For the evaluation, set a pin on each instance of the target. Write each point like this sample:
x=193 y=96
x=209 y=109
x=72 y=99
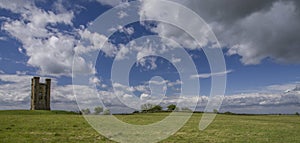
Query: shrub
x=106 y=112
x=228 y=113
x=136 y=112
x=186 y=109
x=156 y=108
x=98 y=109
x=216 y=111
x=86 y=111
x=171 y=107
x=147 y=107
x=151 y=108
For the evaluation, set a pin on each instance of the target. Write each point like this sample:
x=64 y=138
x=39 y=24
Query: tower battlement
x=40 y=94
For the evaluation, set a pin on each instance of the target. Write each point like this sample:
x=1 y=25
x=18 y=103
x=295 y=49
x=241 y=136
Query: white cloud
x=157 y=82
x=21 y=72
x=91 y=43
x=49 y=49
x=31 y=30
x=94 y=41
x=127 y=96
x=123 y=88
x=154 y=9
x=123 y=51
x=251 y=99
x=142 y=88
x=15 y=94
x=148 y=62
x=208 y=75
x=126 y=30
x=145 y=96
x=281 y=87
x=94 y=80
x=163 y=82
x=175 y=60
x=21 y=50
x=17 y=6
x=122 y=14
x=8 y=92
x=3 y=38
x=129 y=30
x=177 y=82
x=112 y=2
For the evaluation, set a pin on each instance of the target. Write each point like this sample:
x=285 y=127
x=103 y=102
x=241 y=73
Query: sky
x=122 y=67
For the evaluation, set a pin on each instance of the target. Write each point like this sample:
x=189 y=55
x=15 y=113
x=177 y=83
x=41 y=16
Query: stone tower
x=40 y=94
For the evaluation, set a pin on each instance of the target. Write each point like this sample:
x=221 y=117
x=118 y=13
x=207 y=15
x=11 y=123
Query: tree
x=151 y=108
x=136 y=112
x=216 y=111
x=86 y=111
x=171 y=107
x=228 y=113
x=106 y=112
x=186 y=109
x=146 y=107
x=297 y=114
x=98 y=109
x=156 y=108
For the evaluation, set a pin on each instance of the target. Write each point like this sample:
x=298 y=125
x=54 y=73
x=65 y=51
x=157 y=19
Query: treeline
x=97 y=111
x=151 y=108
x=145 y=108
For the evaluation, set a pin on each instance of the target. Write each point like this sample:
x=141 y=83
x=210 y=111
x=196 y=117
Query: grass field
x=60 y=126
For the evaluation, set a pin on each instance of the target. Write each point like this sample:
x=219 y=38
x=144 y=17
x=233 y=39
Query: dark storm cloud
x=228 y=11
x=253 y=29
x=256 y=29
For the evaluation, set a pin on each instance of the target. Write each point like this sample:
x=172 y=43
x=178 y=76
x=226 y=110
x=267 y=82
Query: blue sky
x=40 y=38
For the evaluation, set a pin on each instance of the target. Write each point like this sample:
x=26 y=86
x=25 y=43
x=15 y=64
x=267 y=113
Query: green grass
x=36 y=112
x=60 y=126
x=45 y=126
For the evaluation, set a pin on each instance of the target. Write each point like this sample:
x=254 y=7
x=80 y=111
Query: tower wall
x=34 y=90
x=48 y=91
x=40 y=94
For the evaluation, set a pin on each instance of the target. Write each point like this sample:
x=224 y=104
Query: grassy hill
x=60 y=126
x=36 y=112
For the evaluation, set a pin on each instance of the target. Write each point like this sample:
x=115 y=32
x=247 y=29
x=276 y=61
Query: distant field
x=60 y=126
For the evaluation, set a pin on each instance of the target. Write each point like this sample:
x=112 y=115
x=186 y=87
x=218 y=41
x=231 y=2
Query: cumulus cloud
x=9 y=84
x=63 y=98
x=154 y=9
x=92 y=41
x=127 y=30
x=31 y=31
x=95 y=80
x=48 y=48
x=122 y=14
x=145 y=96
x=255 y=29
